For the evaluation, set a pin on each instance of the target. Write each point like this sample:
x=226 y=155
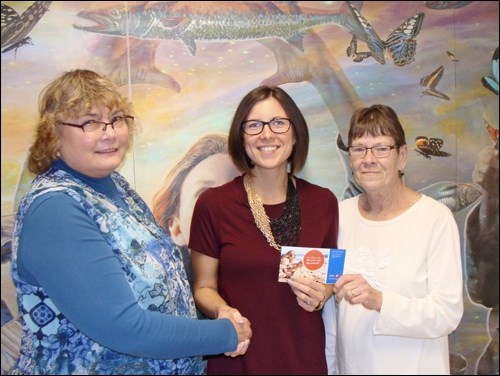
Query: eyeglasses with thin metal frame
x=277 y=125
x=379 y=151
x=90 y=126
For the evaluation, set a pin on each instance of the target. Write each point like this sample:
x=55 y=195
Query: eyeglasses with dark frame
x=277 y=125
x=90 y=126
x=379 y=151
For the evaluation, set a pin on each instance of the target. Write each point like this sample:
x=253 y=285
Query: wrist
x=217 y=309
x=320 y=305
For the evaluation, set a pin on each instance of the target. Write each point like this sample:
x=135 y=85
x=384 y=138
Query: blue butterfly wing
x=491 y=82
x=401 y=44
x=373 y=41
x=376 y=45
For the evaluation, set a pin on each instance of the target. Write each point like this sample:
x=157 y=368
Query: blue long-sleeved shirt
x=85 y=280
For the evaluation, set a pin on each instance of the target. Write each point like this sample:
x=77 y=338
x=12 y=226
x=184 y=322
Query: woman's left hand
x=356 y=290
x=241 y=349
x=310 y=294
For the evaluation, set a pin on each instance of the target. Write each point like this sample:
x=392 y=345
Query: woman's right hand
x=241 y=325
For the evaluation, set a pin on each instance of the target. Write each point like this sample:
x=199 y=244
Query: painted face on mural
x=211 y=172
x=95 y=153
x=269 y=150
x=374 y=173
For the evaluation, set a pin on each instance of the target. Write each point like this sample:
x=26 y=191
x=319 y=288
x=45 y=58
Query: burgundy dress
x=286 y=338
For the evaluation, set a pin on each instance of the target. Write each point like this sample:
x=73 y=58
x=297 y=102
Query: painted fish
x=209 y=21
x=15 y=27
x=440 y=5
x=456 y=196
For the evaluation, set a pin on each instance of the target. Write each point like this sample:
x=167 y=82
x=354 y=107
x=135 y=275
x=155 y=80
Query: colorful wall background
x=187 y=65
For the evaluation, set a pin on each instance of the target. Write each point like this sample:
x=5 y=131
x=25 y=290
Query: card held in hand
x=324 y=265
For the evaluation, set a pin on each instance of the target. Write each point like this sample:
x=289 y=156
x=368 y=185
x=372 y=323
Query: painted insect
x=492 y=131
x=400 y=46
x=430 y=82
x=452 y=57
x=15 y=27
x=430 y=147
x=491 y=82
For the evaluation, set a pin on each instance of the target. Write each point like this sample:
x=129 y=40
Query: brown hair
x=71 y=95
x=167 y=201
x=236 y=136
x=377 y=120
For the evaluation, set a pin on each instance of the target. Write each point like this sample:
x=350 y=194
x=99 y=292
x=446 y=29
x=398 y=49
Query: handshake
x=241 y=325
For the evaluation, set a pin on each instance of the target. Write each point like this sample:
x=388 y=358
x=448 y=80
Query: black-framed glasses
x=90 y=126
x=379 y=151
x=277 y=125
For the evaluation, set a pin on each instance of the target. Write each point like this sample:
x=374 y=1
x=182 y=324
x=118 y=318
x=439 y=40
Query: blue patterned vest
x=153 y=268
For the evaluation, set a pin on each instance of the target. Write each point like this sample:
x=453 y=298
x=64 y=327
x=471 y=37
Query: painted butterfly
x=430 y=81
x=492 y=131
x=15 y=27
x=430 y=147
x=491 y=82
x=452 y=56
x=400 y=46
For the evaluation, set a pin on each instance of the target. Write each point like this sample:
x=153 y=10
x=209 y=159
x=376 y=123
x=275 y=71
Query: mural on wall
x=186 y=66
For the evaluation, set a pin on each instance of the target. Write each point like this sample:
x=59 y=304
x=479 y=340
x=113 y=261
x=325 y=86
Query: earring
x=58 y=154
x=401 y=173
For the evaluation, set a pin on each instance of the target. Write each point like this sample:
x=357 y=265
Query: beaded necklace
x=284 y=230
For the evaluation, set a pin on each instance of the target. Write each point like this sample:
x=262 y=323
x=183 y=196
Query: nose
x=105 y=134
x=369 y=155
x=266 y=131
x=106 y=126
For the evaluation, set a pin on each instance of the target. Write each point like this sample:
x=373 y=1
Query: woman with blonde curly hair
x=101 y=289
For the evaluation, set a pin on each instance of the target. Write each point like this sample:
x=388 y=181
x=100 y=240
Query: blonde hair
x=73 y=94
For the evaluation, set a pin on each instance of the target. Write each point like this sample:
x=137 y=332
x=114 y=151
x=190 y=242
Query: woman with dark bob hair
x=239 y=228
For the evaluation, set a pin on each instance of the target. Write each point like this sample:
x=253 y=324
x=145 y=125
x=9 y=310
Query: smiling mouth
x=267 y=148
x=107 y=151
